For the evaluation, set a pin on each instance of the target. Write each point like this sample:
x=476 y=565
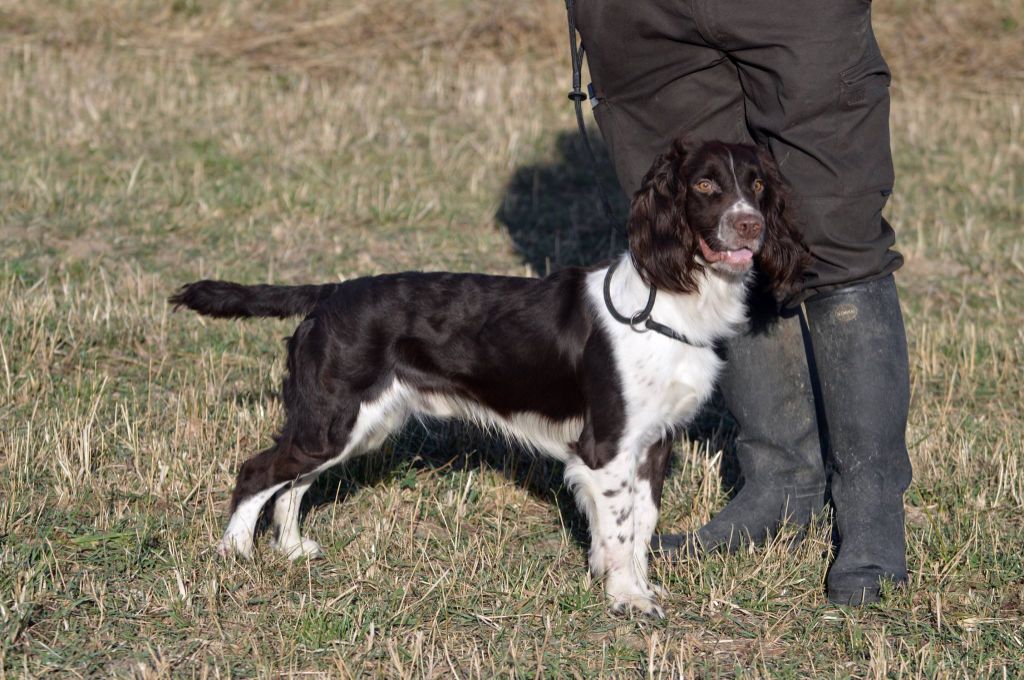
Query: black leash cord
x=578 y=96
x=641 y=322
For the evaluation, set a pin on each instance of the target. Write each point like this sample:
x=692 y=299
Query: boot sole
x=855 y=598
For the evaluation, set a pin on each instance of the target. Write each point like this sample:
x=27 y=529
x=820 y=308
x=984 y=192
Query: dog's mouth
x=740 y=259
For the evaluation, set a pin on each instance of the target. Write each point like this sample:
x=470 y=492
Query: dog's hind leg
x=327 y=423
x=375 y=421
x=289 y=541
x=261 y=477
x=238 y=537
x=258 y=480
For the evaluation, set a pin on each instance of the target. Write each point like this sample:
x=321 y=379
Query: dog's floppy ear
x=661 y=243
x=784 y=256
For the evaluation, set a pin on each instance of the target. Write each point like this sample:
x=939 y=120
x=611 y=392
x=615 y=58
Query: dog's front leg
x=605 y=475
x=619 y=508
x=651 y=474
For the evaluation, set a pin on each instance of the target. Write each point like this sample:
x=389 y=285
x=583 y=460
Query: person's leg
x=861 y=352
x=816 y=88
x=766 y=385
x=656 y=77
x=816 y=92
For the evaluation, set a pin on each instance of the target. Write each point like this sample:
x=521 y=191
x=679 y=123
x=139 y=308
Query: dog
x=595 y=367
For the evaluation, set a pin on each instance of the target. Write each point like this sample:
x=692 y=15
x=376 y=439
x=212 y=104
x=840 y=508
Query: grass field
x=146 y=143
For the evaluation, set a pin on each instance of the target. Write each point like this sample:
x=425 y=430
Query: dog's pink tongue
x=741 y=256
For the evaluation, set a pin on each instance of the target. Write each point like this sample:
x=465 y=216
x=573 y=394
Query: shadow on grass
x=553 y=210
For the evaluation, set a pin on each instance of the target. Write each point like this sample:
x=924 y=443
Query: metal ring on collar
x=642 y=315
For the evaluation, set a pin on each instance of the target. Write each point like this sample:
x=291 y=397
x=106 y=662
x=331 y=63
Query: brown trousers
x=803 y=77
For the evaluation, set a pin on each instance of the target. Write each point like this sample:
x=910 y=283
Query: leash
x=644 y=315
x=577 y=96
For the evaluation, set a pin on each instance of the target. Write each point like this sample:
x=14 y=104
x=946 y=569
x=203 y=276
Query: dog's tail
x=227 y=300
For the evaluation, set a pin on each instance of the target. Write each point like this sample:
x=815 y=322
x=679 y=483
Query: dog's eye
x=705 y=186
x=758 y=186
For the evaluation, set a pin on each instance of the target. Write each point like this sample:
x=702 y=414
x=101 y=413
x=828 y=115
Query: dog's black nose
x=748 y=226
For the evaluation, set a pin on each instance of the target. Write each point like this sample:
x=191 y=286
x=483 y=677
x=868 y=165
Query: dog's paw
x=306 y=547
x=646 y=605
x=232 y=544
x=660 y=592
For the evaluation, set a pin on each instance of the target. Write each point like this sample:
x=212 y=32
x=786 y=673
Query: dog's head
x=718 y=206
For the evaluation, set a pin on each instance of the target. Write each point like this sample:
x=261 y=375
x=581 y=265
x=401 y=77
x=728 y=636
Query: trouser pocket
x=862 y=130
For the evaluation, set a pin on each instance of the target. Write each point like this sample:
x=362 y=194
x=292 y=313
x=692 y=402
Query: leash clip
x=639 y=318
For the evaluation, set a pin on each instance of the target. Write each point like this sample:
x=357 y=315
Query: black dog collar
x=644 y=315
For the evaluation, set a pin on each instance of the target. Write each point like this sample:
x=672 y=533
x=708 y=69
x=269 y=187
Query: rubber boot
x=767 y=388
x=860 y=351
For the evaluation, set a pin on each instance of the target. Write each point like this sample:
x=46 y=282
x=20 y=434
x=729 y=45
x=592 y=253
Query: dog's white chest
x=667 y=381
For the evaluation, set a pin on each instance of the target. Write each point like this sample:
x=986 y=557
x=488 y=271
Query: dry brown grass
x=307 y=36
x=976 y=43
x=147 y=143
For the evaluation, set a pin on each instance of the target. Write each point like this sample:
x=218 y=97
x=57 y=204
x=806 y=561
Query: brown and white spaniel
x=597 y=368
